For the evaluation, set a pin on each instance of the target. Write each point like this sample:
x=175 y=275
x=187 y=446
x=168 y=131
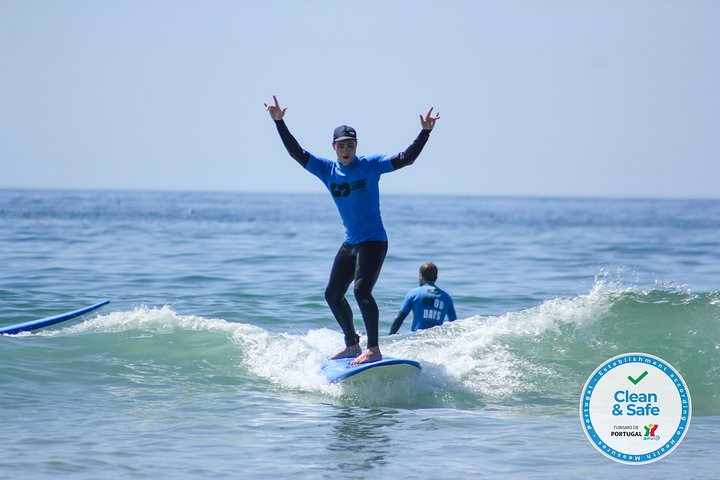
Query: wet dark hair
x=429 y=271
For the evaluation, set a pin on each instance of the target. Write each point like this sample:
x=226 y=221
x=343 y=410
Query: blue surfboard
x=47 y=321
x=340 y=370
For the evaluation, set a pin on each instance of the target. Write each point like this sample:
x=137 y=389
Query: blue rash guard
x=356 y=194
x=429 y=304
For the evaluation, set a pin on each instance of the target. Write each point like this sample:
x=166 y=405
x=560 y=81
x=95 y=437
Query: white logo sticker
x=635 y=408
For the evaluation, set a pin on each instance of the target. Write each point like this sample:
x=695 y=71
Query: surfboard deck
x=47 y=321
x=340 y=370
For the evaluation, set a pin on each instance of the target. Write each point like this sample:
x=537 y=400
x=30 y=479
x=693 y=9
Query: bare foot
x=347 y=352
x=368 y=356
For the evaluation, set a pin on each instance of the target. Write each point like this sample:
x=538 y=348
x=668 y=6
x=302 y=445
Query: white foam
x=480 y=354
x=290 y=361
x=148 y=319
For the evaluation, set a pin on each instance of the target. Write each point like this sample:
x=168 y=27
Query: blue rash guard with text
x=430 y=305
x=356 y=193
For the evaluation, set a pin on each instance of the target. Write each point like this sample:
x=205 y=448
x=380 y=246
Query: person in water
x=353 y=182
x=430 y=305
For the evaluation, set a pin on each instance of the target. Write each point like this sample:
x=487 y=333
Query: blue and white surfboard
x=340 y=370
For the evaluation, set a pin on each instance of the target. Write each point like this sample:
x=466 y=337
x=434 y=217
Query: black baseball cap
x=343 y=132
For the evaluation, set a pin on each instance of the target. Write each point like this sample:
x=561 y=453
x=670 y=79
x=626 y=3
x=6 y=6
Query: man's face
x=345 y=151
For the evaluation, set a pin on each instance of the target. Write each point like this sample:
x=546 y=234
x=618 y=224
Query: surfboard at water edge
x=339 y=370
x=47 y=321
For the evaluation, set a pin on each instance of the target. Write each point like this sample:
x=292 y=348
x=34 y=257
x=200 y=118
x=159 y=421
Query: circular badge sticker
x=635 y=408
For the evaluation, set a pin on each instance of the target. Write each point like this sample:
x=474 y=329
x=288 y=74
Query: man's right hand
x=276 y=113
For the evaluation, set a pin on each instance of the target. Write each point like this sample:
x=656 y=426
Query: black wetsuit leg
x=341 y=275
x=362 y=263
x=371 y=256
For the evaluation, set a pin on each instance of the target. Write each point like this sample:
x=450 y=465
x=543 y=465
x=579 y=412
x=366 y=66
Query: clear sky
x=537 y=97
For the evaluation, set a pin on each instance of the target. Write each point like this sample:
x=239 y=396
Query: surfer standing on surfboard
x=353 y=182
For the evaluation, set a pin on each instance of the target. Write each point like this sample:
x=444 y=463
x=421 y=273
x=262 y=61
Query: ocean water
x=206 y=363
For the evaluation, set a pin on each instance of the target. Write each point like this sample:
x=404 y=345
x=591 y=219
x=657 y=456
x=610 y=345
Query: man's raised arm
x=291 y=144
x=407 y=157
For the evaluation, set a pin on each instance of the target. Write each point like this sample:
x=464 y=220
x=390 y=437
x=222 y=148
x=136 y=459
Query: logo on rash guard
x=344 y=189
x=340 y=190
x=359 y=186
